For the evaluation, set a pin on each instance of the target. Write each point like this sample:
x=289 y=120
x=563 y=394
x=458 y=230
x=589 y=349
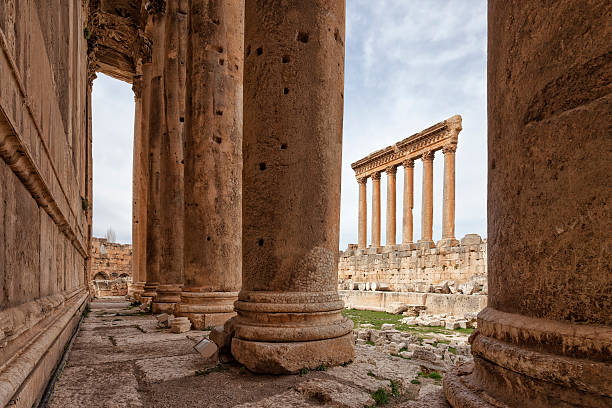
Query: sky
x=409 y=65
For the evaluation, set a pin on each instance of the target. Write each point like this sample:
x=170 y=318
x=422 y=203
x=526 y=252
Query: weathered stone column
x=391 y=205
x=376 y=209
x=545 y=339
x=363 y=213
x=427 y=192
x=213 y=162
x=171 y=167
x=407 y=229
x=448 y=203
x=139 y=199
x=289 y=312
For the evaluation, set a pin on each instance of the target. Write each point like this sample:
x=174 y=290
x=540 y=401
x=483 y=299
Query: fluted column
x=391 y=205
x=545 y=338
x=363 y=213
x=427 y=192
x=448 y=204
x=376 y=210
x=139 y=199
x=407 y=230
x=289 y=311
x=213 y=162
x=171 y=167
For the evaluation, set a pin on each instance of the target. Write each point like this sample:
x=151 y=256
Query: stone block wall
x=111 y=268
x=408 y=268
x=45 y=190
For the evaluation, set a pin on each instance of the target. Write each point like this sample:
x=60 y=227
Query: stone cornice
x=433 y=138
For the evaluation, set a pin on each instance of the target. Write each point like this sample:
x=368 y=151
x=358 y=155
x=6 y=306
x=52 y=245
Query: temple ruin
x=236 y=189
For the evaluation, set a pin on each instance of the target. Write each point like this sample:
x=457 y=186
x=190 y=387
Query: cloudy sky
x=409 y=64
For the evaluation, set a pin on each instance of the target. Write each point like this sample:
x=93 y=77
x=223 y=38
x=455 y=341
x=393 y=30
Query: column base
x=421 y=244
x=521 y=361
x=290 y=358
x=447 y=242
x=167 y=297
x=149 y=293
x=206 y=309
x=137 y=290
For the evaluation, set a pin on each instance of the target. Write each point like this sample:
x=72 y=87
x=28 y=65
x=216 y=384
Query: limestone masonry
x=111 y=268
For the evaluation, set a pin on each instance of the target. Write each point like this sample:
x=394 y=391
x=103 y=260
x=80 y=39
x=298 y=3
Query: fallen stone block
x=180 y=325
x=387 y=326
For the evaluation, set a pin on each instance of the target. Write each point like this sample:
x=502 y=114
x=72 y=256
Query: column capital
x=450 y=148
x=362 y=179
x=391 y=170
x=376 y=175
x=154 y=7
x=428 y=156
x=408 y=163
x=137 y=83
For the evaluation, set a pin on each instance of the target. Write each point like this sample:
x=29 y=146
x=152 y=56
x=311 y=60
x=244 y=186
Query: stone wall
x=408 y=268
x=45 y=190
x=111 y=268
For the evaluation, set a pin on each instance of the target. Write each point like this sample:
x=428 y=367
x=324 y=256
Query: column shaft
x=171 y=167
x=448 y=210
x=213 y=162
x=289 y=311
x=363 y=214
x=376 y=210
x=407 y=230
x=391 y=205
x=427 y=192
x=138 y=194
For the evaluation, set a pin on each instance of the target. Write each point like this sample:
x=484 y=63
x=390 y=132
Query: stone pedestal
x=289 y=311
x=545 y=339
x=213 y=163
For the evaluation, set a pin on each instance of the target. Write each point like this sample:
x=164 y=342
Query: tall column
x=407 y=230
x=427 y=192
x=171 y=167
x=289 y=311
x=213 y=162
x=138 y=194
x=545 y=338
x=391 y=205
x=363 y=213
x=448 y=205
x=376 y=210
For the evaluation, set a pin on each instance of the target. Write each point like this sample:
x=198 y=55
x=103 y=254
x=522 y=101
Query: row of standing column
x=272 y=265
x=448 y=210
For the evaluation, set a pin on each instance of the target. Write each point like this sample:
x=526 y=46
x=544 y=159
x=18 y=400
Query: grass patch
x=377 y=319
x=135 y=303
x=346 y=363
x=304 y=371
x=208 y=370
x=370 y=373
x=381 y=396
x=370 y=343
x=452 y=350
x=403 y=349
x=415 y=381
x=433 y=374
x=140 y=328
x=322 y=367
x=395 y=388
x=86 y=311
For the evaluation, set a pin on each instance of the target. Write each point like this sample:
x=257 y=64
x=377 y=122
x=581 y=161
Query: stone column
x=363 y=213
x=213 y=162
x=427 y=192
x=391 y=206
x=407 y=230
x=376 y=210
x=171 y=167
x=138 y=195
x=448 y=204
x=545 y=338
x=289 y=311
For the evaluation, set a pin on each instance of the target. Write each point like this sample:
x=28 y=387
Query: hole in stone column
x=302 y=37
x=259 y=51
x=221 y=61
x=208 y=238
x=248 y=50
x=217 y=139
x=216 y=21
x=337 y=37
x=286 y=59
x=181 y=119
x=262 y=166
x=492 y=164
x=260 y=242
x=342 y=95
x=286 y=91
x=219 y=49
x=219 y=112
x=284 y=146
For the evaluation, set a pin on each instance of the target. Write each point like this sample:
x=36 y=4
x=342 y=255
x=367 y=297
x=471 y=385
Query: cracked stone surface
x=120 y=358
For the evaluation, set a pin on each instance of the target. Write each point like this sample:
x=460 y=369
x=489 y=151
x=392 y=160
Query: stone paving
x=121 y=358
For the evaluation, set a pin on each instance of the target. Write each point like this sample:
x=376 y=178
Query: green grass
x=322 y=367
x=206 y=371
x=381 y=396
x=452 y=350
x=140 y=328
x=433 y=374
x=86 y=311
x=370 y=343
x=415 y=381
x=346 y=363
x=395 y=389
x=377 y=319
x=304 y=371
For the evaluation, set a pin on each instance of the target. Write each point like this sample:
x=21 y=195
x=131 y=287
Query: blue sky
x=409 y=64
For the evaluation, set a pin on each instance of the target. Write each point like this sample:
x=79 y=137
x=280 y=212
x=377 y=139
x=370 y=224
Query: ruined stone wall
x=110 y=260
x=407 y=268
x=44 y=190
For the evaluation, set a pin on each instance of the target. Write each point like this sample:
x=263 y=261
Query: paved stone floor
x=120 y=358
